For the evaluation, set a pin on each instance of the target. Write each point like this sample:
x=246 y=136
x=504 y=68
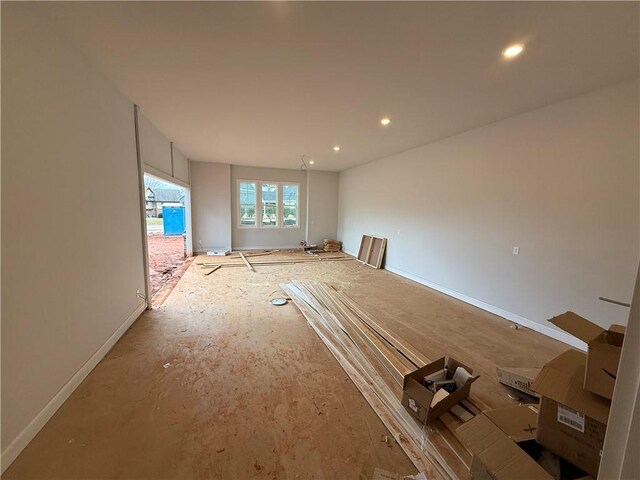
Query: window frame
x=278 y=193
x=239 y=209
x=290 y=184
x=258 y=205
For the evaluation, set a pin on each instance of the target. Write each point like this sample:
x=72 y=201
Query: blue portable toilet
x=173 y=219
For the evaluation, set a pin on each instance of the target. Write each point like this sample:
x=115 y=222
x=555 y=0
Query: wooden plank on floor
x=246 y=262
x=213 y=269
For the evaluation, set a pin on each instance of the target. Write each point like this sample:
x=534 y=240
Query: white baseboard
x=22 y=440
x=525 y=322
x=262 y=247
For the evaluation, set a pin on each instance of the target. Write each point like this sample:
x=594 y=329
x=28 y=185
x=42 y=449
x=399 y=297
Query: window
x=290 y=205
x=268 y=204
x=247 y=203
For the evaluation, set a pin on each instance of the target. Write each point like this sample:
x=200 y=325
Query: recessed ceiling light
x=512 y=51
x=311 y=162
x=336 y=148
x=385 y=121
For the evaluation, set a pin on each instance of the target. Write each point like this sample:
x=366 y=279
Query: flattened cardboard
x=417 y=398
x=572 y=421
x=604 y=351
x=518 y=378
x=496 y=455
x=577 y=326
x=518 y=422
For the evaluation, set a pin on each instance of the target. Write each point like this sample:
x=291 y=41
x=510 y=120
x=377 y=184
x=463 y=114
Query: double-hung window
x=290 y=205
x=265 y=204
x=269 y=199
x=247 y=194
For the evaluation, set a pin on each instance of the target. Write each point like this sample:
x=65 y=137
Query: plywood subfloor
x=217 y=383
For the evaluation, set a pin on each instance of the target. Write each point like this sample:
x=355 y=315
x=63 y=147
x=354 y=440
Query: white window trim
x=258 y=206
x=239 y=209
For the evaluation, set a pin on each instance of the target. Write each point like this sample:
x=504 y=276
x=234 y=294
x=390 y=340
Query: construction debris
x=372 y=250
x=332 y=245
x=378 y=364
x=246 y=262
x=283 y=261
x=216 y=267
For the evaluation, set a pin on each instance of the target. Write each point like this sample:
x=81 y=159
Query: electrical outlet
x=516 y=250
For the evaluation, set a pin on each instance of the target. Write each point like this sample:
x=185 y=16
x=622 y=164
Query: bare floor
x=218 y=383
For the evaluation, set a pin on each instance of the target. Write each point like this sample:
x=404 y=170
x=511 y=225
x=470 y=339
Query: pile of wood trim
x=377 y=360
x=331 y=246
x=248 y=263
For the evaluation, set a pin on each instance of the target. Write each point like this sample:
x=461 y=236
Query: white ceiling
x=263 y=83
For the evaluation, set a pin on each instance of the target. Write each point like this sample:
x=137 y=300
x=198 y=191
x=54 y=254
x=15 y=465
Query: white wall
x=323 y=206
x=155 y=148
x=560 y=182
x=71 y=236
x=159 y=155
x=211 y=205
x=248 y=238
x=180 y=165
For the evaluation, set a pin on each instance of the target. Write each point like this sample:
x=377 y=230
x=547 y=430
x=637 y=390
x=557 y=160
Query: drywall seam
x=22 y=440
x=538 y=327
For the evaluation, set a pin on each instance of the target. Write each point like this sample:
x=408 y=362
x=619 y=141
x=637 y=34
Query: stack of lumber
x=248 y=262
x=376 y=360
x=332 y=245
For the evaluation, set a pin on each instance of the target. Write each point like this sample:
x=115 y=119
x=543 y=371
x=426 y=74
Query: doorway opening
x=166 y=211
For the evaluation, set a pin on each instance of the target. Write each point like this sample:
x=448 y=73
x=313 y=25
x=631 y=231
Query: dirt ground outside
x=166 y=255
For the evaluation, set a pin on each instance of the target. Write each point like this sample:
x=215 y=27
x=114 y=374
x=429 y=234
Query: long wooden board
x=246 y=262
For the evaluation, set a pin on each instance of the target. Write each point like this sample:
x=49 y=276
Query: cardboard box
x=572 y=421
x=493 y=437
x=604 y=350
x=417 y=398
x=518 y=378
x=503 y=445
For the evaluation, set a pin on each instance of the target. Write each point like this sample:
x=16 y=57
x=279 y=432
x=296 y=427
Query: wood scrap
x=330 y=245
x=213 y=269
x=246 y=262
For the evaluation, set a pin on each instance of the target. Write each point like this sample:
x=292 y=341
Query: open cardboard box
x=572 y=421
x=503 y=445
x=492 y=437
x=603 y=354
x=417 y=398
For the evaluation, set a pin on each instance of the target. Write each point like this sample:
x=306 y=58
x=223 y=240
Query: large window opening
x=265 y=204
